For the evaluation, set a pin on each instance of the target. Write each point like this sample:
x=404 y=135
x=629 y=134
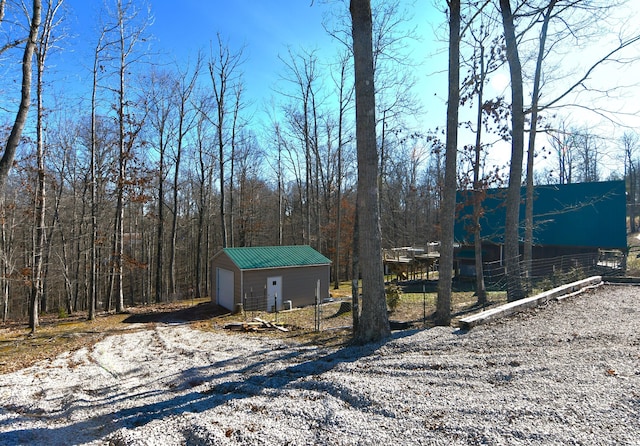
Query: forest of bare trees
x=123 y=199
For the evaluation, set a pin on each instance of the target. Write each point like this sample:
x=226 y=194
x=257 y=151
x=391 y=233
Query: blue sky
x=265 y=29
x=264 y=26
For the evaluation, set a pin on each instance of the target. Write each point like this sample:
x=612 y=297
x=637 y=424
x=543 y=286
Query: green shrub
x=393 y=294
x=561 y=278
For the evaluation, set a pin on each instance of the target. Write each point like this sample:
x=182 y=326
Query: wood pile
x=253 y=326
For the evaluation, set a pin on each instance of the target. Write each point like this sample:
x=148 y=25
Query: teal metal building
x=568 y=219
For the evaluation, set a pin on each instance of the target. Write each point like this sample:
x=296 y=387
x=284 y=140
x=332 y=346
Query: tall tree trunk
x=223 y=70
x=53 y=225
x=220 y=103
x=160 y=228
x=174 y=223
x=184 y=127
x=44 y=248
x=478 y=190
x=338 y=197
x=127 y=37
x=4 y=261
x=512 y=223
x=39 y=219
x=40 y=240
x=343 y=101
x=280 y=189
x=535 y=98
x=232 y=169
x=316 y=175
x=202 y=207
x=448 y=209
x=374 y=322
x=81 y=252
x=68 y=287
x=210 y=231
x=93 y=258
x=25 y=99
x=117 y=289
x=355 y=281
x=308 y=177
x=199 y=244
x=49 y=241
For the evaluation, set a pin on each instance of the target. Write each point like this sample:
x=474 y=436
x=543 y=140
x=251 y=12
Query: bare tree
x=447 y=211
x=43 y=46
x=161 y=104
x=252 y=210
x=186 y=120
x=561 y=143
x=395 y=81
x=277 y=142
x=587 y=149
x=630 y=143
x=512 y=223
x=97 y=67
x=129 y=32
x=373 y=322
x=9 y=251
x=224 y=69
x=205 y=161
x=486 y=59
x=345 y=96
x=535 y=98
x=11 y=43
x=71 y=175
x=303 y=120
x=25 y=98
x=396 y=101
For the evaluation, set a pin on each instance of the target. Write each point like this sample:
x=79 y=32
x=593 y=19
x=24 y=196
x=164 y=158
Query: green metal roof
x=579 y=215
x=260 y=257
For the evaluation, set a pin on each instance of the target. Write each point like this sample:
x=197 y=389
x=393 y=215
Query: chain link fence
x=411 y=303
x=544 y=274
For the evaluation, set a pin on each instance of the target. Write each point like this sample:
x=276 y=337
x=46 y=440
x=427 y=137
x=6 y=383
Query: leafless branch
x=580 y=82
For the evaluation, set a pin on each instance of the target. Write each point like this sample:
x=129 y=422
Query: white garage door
x=224 y=291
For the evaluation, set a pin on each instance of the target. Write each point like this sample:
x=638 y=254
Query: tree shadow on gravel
x=304 y=375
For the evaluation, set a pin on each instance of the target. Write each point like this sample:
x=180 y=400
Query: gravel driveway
x=567 y=373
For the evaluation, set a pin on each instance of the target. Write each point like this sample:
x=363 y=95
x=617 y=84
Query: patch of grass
x=300 y=323
x=633 y=259
x=343 y=291
x=19 y=348
x=415 y=308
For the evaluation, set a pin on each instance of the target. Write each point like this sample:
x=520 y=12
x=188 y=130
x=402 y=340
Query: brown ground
x=19 y=348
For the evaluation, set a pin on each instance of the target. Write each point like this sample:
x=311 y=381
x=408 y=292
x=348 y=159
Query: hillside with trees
x=121 y=198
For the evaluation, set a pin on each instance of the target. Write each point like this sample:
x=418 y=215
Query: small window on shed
x=274 y=283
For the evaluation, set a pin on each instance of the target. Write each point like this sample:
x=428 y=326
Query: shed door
x=274 y=293
x=224 y=282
